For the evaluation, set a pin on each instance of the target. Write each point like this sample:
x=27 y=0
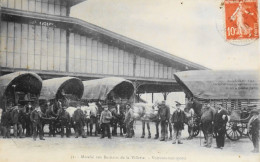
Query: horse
x=91 y=117
x=118 y=116
x=145 y=113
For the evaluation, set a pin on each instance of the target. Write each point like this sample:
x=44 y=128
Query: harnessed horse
x=118 y=113
x=91 y=117
x=145 y=113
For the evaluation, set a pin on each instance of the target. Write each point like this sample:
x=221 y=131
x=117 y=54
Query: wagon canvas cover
x=25 y=81
x=71 y=85
x=207 y=84
x=98 y=89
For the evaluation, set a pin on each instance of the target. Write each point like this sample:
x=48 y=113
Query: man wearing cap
x=78 y=118
x=254 y=121
x=207 y=120
x=129 y=121
x=105 y=118
x=64 y=119
x=17 y=119
x=164 y=115
x=35 y=117
x=178 y=119
x=220 y=122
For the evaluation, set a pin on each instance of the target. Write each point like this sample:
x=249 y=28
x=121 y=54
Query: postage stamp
x=241 y=20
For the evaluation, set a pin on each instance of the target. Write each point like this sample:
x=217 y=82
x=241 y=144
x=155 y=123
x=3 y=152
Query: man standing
x=129 y=121
x=105 y=118
x=16 y=116
x=207 y=120
x=64 y=119
x=78 y=118
x=51 y=116
x=35 y=117
x=164 y=115
x=28 y=123
x=255 y=130
x=220 y=121
x=178 y=118
x=6 y=121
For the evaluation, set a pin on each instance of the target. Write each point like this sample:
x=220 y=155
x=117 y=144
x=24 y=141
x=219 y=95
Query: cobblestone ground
x=122 y=149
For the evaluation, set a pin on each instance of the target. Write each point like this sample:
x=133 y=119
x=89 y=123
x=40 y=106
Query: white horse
x=91 y=117
x=145 y=112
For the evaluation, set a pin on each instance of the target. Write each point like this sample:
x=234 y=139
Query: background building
x=39 y=35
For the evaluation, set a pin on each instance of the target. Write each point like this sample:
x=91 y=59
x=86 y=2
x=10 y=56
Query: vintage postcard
x=129 y=80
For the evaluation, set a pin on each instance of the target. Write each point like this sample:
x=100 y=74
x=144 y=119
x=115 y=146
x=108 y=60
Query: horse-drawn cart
x=65 y=90
x=115 y=92
x=237 y=91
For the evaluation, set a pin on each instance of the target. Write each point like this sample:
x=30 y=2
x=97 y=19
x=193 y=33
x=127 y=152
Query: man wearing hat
x=254 y=121
x=178 y=119
x=35 y=117
x=207 y=120
x=105 y=118
x=220 y=122
x=164 y=115
x=129 y=121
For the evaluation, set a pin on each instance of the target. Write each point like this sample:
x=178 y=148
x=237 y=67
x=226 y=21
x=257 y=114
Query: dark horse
x=197 y=107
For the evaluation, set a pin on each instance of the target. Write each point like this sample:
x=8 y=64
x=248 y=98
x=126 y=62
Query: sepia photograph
x=129 y=80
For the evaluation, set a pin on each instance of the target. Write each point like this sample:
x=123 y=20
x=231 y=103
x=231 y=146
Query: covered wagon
x=235 y=90
x=19 y=87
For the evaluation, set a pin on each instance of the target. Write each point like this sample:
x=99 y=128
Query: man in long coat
x=207 y=120
x=220 y=122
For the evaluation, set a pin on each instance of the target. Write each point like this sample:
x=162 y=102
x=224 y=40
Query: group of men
x=212 y=120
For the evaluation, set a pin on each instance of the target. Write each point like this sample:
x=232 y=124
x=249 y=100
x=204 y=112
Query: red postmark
x=241 y=19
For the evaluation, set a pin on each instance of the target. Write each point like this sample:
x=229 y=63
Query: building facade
x=39 y=35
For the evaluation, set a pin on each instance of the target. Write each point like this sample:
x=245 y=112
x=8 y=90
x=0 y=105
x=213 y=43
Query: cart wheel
x=249 y=128
x=233 y=131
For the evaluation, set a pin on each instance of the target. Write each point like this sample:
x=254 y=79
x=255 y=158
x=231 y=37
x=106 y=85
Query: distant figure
x=178 y=119
x=239 y=16
x=255 y=130
x=129 y=121
x=105 y=118
x=220 y=122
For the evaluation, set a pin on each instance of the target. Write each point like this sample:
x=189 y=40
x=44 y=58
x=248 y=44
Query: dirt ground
x=123 y=149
